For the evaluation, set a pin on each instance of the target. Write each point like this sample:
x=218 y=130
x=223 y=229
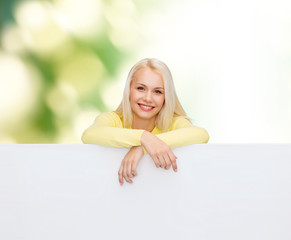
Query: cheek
x=134 y=96
x=161 y=101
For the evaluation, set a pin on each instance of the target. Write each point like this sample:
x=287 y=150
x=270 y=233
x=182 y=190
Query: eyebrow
x=146 y=86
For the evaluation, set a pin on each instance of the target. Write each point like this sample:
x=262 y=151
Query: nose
x=148 y=96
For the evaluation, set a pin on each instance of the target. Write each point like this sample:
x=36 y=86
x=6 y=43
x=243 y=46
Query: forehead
x=148 y=77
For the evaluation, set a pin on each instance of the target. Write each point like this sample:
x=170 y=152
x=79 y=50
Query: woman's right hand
x=129 y=164
x=159 y=151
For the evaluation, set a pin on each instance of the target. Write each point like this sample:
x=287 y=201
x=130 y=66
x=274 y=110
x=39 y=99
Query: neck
x=147 y=125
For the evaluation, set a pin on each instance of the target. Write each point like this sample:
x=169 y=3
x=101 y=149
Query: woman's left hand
x=159 y=151
x=129 y=163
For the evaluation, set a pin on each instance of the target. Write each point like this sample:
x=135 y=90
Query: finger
x=173 y=161
x=133 y=168
x=120 y=177
x=128 y=170
x=124 y=173
x=168 y=161
x=156 y=161
x=161 y=161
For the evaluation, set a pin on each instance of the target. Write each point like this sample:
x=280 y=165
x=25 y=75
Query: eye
x=158 y=92
x=140 y=88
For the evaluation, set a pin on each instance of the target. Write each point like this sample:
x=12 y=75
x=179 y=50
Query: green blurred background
x=62 y=62
x=58 y=58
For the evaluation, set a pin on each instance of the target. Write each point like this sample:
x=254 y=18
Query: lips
x=145 y=107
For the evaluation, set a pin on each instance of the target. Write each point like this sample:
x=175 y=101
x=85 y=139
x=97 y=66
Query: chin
x=145 y=115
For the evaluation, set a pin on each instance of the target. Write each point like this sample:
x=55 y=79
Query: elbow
x=84 y=137
x=202 y=135
x=205 y=136
x=91 y=137
x=198 y=135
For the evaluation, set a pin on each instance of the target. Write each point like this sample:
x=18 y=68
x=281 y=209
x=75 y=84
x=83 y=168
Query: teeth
x=146 y=107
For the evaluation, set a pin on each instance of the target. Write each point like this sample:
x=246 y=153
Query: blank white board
x=221 y=191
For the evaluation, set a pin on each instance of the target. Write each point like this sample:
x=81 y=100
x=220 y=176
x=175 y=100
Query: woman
x=149 y=119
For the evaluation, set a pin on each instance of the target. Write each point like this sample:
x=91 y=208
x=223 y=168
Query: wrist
x=143 y=137
x=139 y=147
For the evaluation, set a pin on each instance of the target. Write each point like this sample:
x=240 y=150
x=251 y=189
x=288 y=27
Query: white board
x=221 y=191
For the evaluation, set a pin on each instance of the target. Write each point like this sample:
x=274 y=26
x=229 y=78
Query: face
x=147 y=94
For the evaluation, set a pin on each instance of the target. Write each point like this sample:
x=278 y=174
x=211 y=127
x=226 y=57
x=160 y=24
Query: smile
x=145 y=107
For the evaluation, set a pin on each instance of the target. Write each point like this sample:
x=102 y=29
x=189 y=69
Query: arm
x=107 y=130
x=183 y=133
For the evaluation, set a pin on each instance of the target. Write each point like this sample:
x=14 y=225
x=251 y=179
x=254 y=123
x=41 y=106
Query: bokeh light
x=20 y=87
x=40 y=30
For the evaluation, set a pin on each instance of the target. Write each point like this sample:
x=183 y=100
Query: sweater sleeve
x=183 y=132
x=107 y=130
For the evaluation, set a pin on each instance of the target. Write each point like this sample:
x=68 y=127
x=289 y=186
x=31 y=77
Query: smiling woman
x=146 y=98
x=149 y=119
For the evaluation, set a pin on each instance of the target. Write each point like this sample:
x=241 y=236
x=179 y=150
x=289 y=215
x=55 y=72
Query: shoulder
x=108 y=118
x=180 y=122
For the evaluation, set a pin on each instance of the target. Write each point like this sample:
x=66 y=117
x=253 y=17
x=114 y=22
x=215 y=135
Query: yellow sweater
x=108 y=130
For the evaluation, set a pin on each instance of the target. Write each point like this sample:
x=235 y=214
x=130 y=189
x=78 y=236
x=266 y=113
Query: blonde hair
x=171 y=109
